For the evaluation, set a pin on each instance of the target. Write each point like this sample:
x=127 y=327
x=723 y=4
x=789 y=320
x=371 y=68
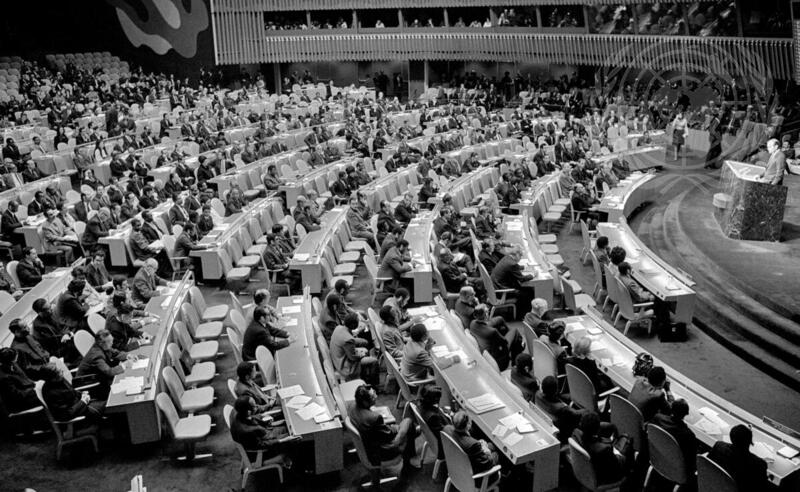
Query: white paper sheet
x=291 y=309
x=512 y=439
x=298 y=401
x=285 y=393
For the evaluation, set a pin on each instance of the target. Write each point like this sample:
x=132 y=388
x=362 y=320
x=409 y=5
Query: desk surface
x=616 y=198
x=473 y=377
x=534 y=261
x=299 y=364
x=710 y=416
x=651 y=271
x=747 y=172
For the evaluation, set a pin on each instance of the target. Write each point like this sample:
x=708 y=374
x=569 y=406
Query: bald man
x=776 y=166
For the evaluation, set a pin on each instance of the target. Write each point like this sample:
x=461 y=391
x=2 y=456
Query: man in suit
x=349 y=353
x=31 y=172
x=118 y=323
x=103 y=362
x=30 y=268
x=776 y=166
x=131 y=207
x=96 y=274
x=31 y=356
x=10 y=223
x=482 y=455
x=96 y=228
x=382 y=442
x=394 y=264
x=58 y=237
x=16 y=388
x=146 y=281
x=508 y=274
x=271 y=180
x=260 y=332
x=177 y=213
x=748 y=470
x=83 y=207
x=39 y=204
x=149 y=227
x=651 y=395
x=51 y=334
x=416 y=362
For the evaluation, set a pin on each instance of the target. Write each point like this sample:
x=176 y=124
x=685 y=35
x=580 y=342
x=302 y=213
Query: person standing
x=714 y=142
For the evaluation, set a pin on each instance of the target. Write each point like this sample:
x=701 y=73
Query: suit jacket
x=178 y=216
x=685 y=437
x=144 y=286
x=508 y=274
x=9 y=223
x=776 y=167
x=122 y=332
x=748 y=470
x=95 y=229
x=478 y=457
x=403 y=213
x=29 y=274
x=139 y=246
x=490 y=340
x=151 y=231
x=204 y=224
x=377 y=436
x=416 y=362
x=71 y=311
x=31 y=356
x=103 y=364
x=343 y=352
x=257 y=334
x=648 y=399
x=263 y=401
x=48 y=331
x=17 y=390
x=393 y=266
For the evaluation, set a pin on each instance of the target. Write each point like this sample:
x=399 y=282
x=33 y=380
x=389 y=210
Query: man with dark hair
x=47 y=330
x=103 y=362
x=395 y=263
x=482 y=455
x=16 y=388
x=254 y=434
x=96 y=273
x=748 y=470
x=651 y=395
x=490 y=339
x=260 y=332
x=31 y=356
x=417 y=362
x=382 y=442
x=126 y=337
x=677 y=428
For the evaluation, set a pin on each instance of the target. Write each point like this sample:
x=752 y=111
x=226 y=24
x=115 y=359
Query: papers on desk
x=311 y=410
x=572 y=327
x=485 y=403
x=291 y=309
x=511 y=439
x=291 y=322
x=598 y=345
x=140 y=364
x=514 y=420
x=166 y=290
x=157 y=244
x=388 y=417
x=788 y=452
x=426 y=311
x=297 y=300
x=440 y=350
x=55 y=273
x=763 y=451
x=95 y=309
x=323 y=417
x=301 y=256
x=594 y=330
x=128 y=385
x=290 y=391
x=298 y=401
x=711 y=423
x=500 y=430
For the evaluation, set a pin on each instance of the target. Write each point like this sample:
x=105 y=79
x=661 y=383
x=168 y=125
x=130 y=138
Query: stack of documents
x=484 y=403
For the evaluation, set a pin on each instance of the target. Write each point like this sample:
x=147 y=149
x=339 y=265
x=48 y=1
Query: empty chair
x=627 y=309
x=266 y=364
x=459 y=470
x=188 y=401
x=199 y=331
x=713 y=478
x=259 y=463
x=207 y=313
x=188 y=430
x=83 y=341
x=198 y=352
x=575 y=302
x=199 y=374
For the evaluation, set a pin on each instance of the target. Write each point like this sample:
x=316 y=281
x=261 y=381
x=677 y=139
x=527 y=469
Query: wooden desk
x=615 y=355
x=140 y=411
x=534 y=261
x=116 y=241
x=418 y=234
x=299 y=364
x=473 y=377
x=623 y=199
x=210 y=264
x=639 y=159
x=664 y=281
x=307 y=255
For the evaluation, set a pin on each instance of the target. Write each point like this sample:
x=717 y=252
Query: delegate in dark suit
x=748 y=470
x=776 y=167
x=258 y=334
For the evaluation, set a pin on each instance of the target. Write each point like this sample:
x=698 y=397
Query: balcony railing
x=244 y=40
x=295 y=5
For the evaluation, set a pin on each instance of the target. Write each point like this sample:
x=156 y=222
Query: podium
x=747 y=208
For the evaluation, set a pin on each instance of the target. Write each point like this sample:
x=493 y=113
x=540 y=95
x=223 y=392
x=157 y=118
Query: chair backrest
x=168 y=409
x=359 y=445
x=238 y=321
x=173 y=384
x=611 y=286
x=628 y=419
x=6 y=301
x=236 y=344
x=587 y=240
x=232 y=388
x=189 y=316
x=471 y=339
x=197 y=299
x=582 y=465
x=491 y=361
x=301 y=231
x=227 y=411
x=11 y=268
x=713 y=478
x=174 y=352
x=430 y=437
x=665 y=454
x=96 y=322
x=529 y=334
x=624 y=300
x=459 y=468
x=266 y=363
x=581 y=388
x=544 y=361
x=598 y=271
x=182 y=334
x=83 y=341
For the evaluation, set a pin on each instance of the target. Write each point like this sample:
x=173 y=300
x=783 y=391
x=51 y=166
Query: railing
x=249 y=43
x=295 y=5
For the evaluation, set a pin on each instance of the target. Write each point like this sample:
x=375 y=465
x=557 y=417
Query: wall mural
x=167 y=24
